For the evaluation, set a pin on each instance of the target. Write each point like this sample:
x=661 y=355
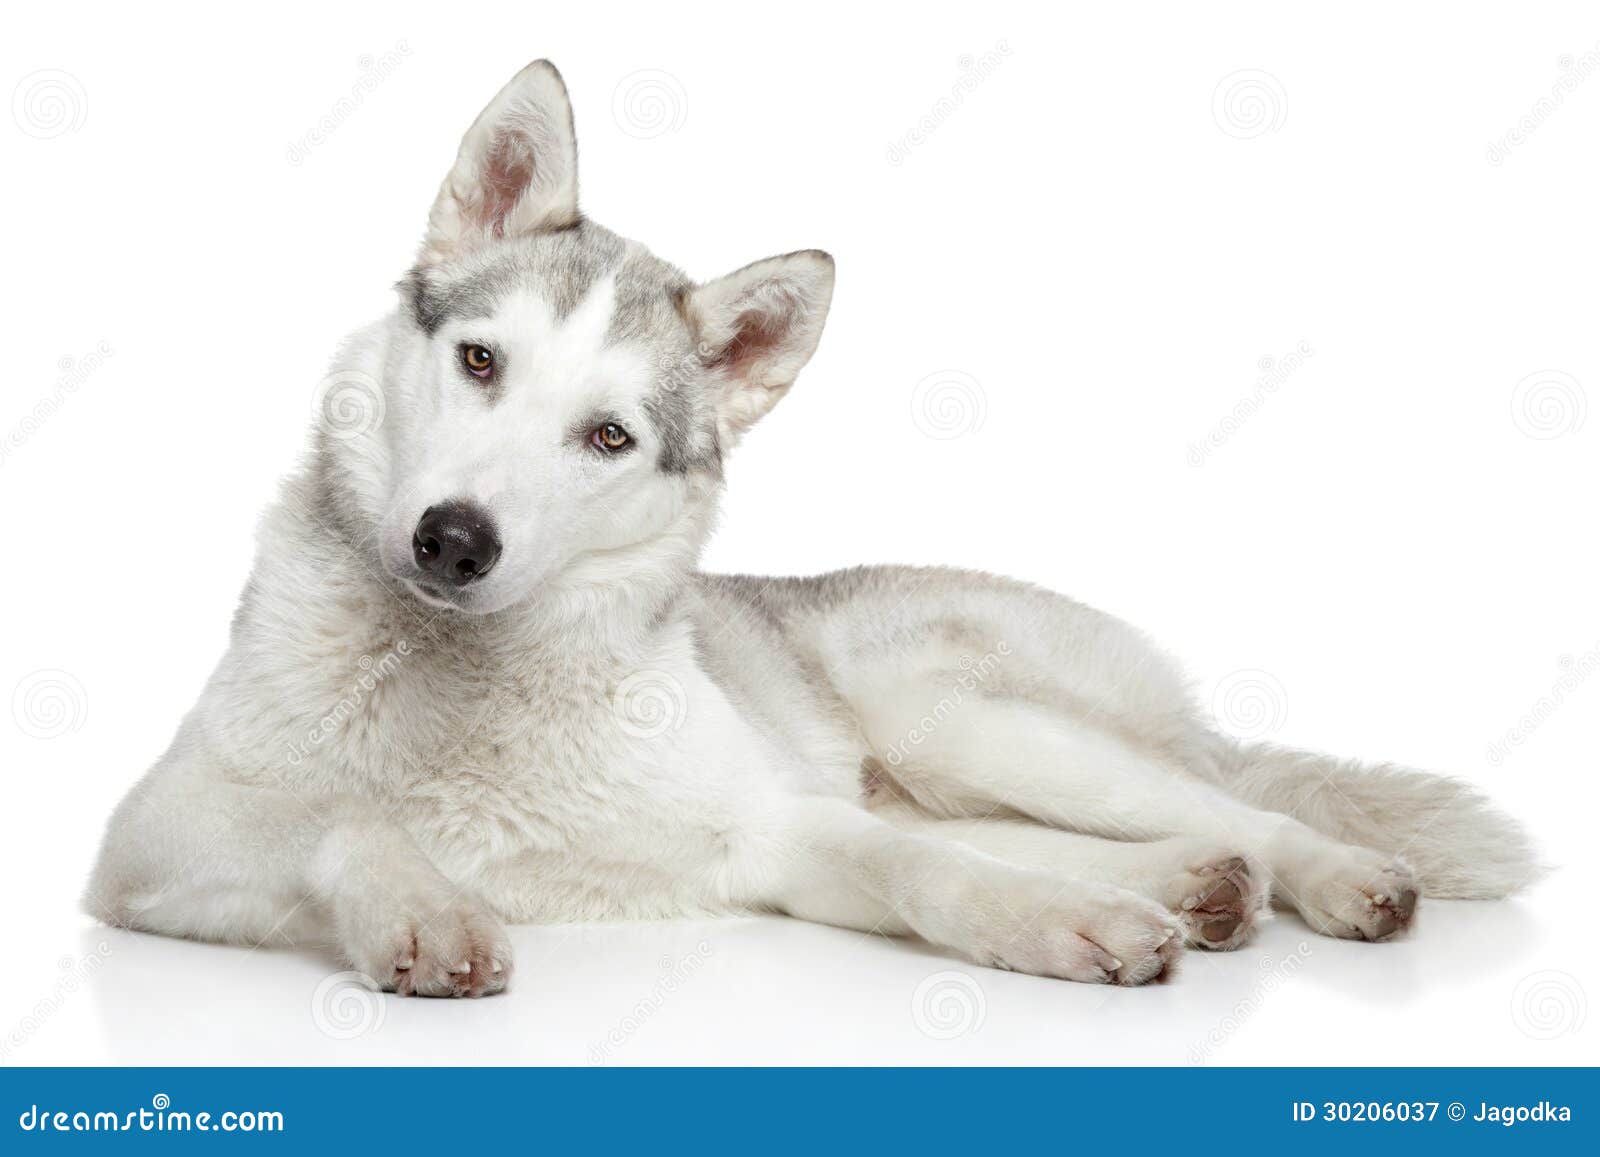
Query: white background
x=1093 y=253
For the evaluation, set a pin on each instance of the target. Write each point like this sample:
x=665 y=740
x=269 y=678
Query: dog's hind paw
x=1219 y=897
x=1361 y=896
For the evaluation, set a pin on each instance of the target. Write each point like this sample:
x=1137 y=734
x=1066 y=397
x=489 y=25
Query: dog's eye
x=478 y=360
x=610 y=437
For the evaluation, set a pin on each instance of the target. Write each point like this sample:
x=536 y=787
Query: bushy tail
x=1458 y=843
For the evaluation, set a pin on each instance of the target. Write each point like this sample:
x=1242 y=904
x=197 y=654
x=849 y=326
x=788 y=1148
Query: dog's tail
x=1458 y=843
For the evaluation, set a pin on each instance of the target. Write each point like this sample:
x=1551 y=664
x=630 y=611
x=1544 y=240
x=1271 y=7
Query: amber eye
x=478 y=360
x=610 y=437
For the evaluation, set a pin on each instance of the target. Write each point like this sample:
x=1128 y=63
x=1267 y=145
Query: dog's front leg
x=835 y=863
x=190 y=854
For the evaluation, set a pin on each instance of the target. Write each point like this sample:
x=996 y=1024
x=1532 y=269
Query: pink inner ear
x=754 y=334
x=507 y=173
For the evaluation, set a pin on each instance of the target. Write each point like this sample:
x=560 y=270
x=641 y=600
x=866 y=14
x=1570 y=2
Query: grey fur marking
x=561 y=267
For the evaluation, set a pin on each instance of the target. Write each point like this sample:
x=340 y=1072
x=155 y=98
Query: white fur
x=595 y=731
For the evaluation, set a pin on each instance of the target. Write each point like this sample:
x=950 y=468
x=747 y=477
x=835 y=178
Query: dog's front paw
x=1356 y=894
x=426 y=944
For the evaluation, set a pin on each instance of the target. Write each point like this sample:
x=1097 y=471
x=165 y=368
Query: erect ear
x=516 y=173
x=757 y=328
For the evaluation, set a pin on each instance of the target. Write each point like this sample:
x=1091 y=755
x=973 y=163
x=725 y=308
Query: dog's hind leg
x=996 y=756
x=1219 y=895
x=832 y=862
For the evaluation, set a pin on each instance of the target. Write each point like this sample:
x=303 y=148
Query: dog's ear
x=757 y=328
x=516 y=173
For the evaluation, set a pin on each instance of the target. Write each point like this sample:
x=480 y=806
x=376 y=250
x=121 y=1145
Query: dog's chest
x=492 y=758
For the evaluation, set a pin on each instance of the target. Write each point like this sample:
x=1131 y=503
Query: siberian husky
x=476 y=678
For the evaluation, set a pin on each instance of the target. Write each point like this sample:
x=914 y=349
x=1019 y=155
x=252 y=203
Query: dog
x=475 y=677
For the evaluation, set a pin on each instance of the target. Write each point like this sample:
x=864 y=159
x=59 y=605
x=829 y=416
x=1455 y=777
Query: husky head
x=555 y=400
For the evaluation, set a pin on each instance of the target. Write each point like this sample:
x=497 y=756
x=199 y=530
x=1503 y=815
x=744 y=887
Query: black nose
x=456 y=542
